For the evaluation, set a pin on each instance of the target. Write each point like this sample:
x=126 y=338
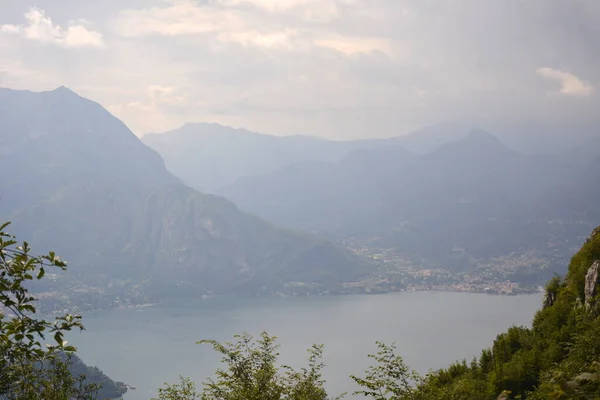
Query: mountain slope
x=464 y=204
x=108 y=389
x=90 y=190
x=209 y=157
x=559 y=357
x=324 y=197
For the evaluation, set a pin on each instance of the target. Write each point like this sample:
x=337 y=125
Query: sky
x=338 y=69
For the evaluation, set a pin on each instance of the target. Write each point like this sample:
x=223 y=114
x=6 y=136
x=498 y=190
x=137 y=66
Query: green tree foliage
x=252 y=373
x=390 y=378
x=29 y=368
x=51 y=380
x=184 y=390
x=555 y=359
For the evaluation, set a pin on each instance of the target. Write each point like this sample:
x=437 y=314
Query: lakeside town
x=393 y=273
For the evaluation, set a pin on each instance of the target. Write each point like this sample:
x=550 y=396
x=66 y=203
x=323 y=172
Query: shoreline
x=413 y=288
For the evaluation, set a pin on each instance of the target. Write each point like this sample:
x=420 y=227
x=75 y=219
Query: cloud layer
x=40 y=28
x=570 y=84
x=332 y=68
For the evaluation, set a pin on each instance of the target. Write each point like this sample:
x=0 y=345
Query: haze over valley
x=403 y=194
x=435 y=199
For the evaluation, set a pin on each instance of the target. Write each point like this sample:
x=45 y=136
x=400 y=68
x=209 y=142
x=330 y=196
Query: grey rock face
x=591 y=283
x=594 y=233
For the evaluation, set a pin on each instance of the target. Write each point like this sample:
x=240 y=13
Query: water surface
x=145 y=347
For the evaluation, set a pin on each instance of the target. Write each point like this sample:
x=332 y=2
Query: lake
x=144 y=347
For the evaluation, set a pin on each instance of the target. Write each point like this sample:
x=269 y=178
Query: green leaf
x=4 y=225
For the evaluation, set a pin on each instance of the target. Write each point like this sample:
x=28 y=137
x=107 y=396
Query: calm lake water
x=145 y=347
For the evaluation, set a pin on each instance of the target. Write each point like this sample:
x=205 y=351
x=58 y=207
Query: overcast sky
x=341 y=69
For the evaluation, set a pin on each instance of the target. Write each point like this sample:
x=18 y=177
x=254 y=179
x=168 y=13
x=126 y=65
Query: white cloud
x=183 y=18
x=337 y=68
x=140 y=117
x=164 y=95
x=274 y=5
x=157 y=96
x=283 y=39
x=315 y=10
x=139 y=106
x=179 y=18
x=229 y=22
x=14 y=29
x=354 y=45
x=41 y=28
x=570 y=84
x=17 y=75
x=148 y=115
x=93 y=89
x=79 y=36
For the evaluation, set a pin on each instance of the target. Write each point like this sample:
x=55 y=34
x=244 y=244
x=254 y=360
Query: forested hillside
x=558 y=358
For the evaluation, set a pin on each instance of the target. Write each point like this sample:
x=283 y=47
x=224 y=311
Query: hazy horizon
x=442 y=124
x=402 y=181
x=336 y=69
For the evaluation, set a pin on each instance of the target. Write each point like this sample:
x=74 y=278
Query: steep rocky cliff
x=592 y=280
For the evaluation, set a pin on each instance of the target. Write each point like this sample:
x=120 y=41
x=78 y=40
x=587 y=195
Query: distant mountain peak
x=189 y=125
x=480 y=134
x=63 y=93
x=482 y=139
x=477 y=143
x=211 y=128
x=64 y=89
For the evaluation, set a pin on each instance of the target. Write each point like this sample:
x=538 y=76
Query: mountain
x=209 y=157
x=57 y=138
x=575 y=199
x=108 y=389
x=384 y=184
x=324 y=197
x=77 y=181
x=464 y=204
x=428 y=138
x=471 y=195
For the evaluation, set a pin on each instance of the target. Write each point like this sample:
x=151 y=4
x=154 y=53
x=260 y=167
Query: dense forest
x=555 y=359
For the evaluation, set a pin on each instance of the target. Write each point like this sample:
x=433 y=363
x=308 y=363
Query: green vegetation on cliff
x=557 y=358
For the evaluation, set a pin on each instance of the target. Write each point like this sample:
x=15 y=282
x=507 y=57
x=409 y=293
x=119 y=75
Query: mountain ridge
x=474 y=196
x=92 y=191
x=209 y=156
